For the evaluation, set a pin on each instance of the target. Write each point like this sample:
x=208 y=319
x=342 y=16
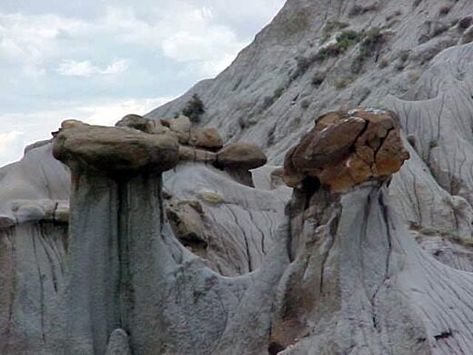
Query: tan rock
x=391 y=155
x=211 y=197
x=137 y=122
x=241 y=156
x=196 y=155
x=186 y=222
x=181 y=126
x=329 y=119
x=206 y=138
x=114 y=150
x=332 y=143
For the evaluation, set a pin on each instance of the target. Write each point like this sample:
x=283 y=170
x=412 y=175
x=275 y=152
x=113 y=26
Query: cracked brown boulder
x=114 y=150
x=347 y=148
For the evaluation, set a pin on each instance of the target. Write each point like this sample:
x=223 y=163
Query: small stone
x=182 y=127
x=136 y=122
x=241 y=156
x=118 y=343
x=207 y=138
x=186 y=222
x=211 y=197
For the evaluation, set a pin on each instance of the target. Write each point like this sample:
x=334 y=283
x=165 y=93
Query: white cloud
x=28 y=40
x=185 y=32
x=85 y=68
x=7 y=140
x=72 y=68
x=12 y=141
x=109 y=113
x=118 y=66
x=187 y=46
x=195 y=33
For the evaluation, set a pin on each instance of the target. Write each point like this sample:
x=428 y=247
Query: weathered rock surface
x=345 y=149
x=241 y=156
x=137 y=122
x=114 y=150
x=307 y=285
x=236 y=243
x=206 y=138
x=124 y=237
x=359 y=282
x=343 y=274
x=118 y=343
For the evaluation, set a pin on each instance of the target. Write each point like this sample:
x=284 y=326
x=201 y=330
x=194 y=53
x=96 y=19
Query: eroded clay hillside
x=412 y=57
x=317 y=56
x=166 y=236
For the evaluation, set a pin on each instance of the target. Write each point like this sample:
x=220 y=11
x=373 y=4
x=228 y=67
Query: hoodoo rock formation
x=166 y=236
x=142 y=269
x=126 y=269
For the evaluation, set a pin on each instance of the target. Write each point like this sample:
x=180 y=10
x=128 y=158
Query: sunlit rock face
x=347 y=148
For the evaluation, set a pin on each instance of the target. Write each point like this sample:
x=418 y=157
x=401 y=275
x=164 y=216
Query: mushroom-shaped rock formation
x=347 y=148
x=128 y=271
x=238 y=158
x=116 y=185
x=114 y=150
x=241 y=155
x=341 y=275
x=357 y=282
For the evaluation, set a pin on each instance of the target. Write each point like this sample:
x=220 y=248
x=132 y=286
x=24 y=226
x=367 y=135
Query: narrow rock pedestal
x=115 y=232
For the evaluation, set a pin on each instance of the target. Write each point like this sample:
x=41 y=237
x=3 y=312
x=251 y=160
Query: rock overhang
x=114 y=150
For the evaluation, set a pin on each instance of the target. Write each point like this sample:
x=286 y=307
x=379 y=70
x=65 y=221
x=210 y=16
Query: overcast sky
x=97 y=60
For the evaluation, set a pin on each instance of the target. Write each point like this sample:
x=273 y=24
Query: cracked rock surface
x=345 y=149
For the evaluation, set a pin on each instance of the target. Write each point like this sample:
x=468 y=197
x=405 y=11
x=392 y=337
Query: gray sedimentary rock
x=342 y=274
x=118 y=343
x=339 y=264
